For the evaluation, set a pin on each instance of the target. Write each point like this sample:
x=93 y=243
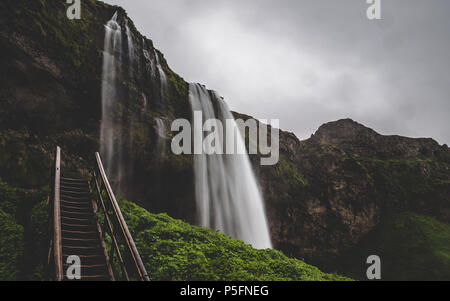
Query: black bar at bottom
x=236 y=290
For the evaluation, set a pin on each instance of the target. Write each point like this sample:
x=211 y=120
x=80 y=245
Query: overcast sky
x=313 y=61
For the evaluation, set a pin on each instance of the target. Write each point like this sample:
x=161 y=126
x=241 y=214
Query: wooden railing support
x=57 y=236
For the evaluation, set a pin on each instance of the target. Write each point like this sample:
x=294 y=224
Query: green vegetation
x=411 y=247
x=174 y=250
x=47 y=21
x=21 y=162
x=289 y=173
x=417 y=181
x=23 y=235
x=11 y=247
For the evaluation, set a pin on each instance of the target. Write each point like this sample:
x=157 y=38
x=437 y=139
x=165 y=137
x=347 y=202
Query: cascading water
x=109 y=144
x=130 y=44
x=226 y=190
x=160 y=128
x=162 y=75
x=227 y=194
x=161 y=132
x=148 y=61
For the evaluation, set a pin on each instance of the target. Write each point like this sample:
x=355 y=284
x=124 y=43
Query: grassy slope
x=174 y=250
x=411 y=247
x=171 y=249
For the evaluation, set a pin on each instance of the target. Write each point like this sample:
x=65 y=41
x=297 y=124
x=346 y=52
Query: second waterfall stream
x=227 y=194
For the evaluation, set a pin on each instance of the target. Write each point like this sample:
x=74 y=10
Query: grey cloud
x=310 y=62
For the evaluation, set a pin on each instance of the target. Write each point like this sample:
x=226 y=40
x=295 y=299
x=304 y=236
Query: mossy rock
x=411 y=247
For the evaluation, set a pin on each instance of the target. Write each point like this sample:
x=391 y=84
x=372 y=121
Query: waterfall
x=109 y=145
x=160 y=128
x=228 y=197
x=227 y=194
x=131 y=56
x=115 y=146
x=148 y=62
x=162 y=75
x=144 y=102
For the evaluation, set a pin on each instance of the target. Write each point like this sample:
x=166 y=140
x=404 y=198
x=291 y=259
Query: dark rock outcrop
x=329 y=191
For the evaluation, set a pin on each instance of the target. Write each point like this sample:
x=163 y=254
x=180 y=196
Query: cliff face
x=332 y=189
x=325 y=196
x=50 y=93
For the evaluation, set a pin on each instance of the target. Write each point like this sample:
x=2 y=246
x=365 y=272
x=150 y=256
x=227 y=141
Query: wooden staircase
x=81 y=233
x=78 y=242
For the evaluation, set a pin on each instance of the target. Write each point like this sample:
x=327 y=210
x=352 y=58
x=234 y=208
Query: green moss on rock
x=411 y=247
x=289 y=173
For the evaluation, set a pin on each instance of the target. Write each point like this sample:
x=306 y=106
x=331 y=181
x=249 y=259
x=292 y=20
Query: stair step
x=77 y=227
x=83 y=188
x=73 y=233
x=71 y=192
x=74 y=213
x=89 y=269
x=89 y=266
x=73 y=246
x=88 y=250
x=76 y=208
x=78 y=200
x=70 y=212
x=102 y=277
x=83 y=204
x=81 y=241
x=75 y=186
x=80 y=225
x=79 y=234
x=74 y=180
x=88 y=259
x=72 y=198
x=74 y=193
x=77 y=220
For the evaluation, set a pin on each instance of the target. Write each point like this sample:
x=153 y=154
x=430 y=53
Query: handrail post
x=57 y=247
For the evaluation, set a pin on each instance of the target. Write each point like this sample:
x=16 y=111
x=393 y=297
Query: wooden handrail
x=123 y=228
x=57 y=246
x=109 y=223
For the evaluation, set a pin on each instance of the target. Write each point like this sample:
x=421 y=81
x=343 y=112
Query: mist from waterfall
x=110 y=140
x=227 y=194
